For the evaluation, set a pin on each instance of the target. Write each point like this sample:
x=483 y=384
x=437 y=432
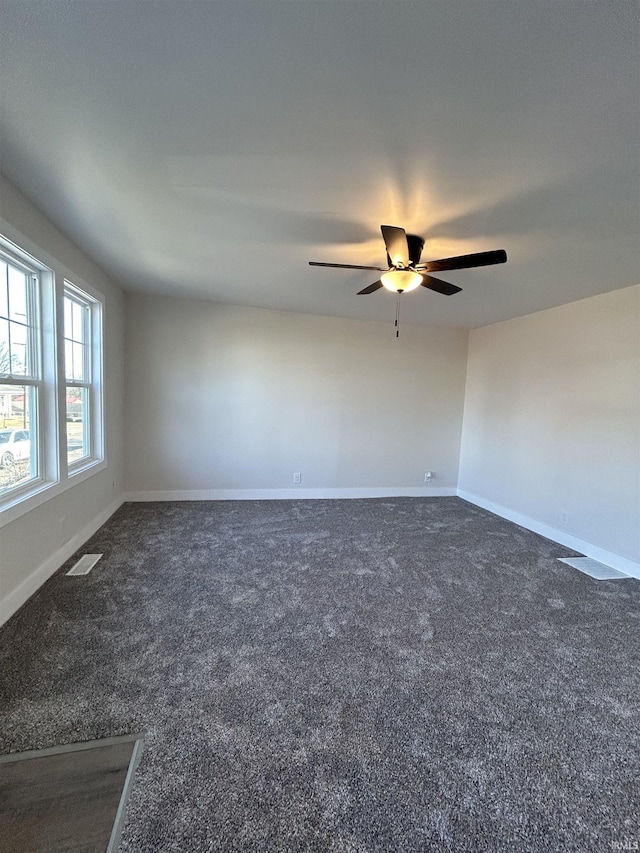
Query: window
x=81 y=315
x=20 y=375
x=50 y=382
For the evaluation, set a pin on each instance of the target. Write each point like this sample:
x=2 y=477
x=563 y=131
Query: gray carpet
x=366 y=675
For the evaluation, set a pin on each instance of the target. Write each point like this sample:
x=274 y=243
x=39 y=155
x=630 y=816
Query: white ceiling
x=211 y=149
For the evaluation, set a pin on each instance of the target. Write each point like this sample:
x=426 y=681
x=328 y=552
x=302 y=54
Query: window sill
x=41 y=492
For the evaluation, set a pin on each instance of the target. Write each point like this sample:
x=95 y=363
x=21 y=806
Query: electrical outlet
x=297 y=478
x=564 y=516
x=428 y=476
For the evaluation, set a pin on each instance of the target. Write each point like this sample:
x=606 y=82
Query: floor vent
x=593 y=568
x=84 y=564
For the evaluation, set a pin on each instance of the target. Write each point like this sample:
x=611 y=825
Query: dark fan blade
x=372 y=287
x=344 y=266
x=395 y=239
x=415 y=244
x=439 y=286
x=464 y=262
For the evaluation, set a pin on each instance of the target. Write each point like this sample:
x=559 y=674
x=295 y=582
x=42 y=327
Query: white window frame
x=54 y=474
x=33 y=379
x=93 y=432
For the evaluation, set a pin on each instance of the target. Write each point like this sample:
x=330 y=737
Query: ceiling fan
x=405 y=272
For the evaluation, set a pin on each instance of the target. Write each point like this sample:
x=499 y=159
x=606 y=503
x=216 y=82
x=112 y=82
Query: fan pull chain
x=398 y=314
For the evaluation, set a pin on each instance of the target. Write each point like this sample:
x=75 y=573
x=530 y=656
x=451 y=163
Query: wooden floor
x=65 y=799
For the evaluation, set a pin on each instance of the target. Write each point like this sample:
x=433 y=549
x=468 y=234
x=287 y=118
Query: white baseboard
x=288 y=494
x=629 y=567
x=14 y=601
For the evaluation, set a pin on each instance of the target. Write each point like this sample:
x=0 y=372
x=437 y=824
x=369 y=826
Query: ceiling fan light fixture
x=401 y=281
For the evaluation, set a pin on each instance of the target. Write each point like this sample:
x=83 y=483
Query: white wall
x=552 y=421
x=36 y=544
x=223 y=398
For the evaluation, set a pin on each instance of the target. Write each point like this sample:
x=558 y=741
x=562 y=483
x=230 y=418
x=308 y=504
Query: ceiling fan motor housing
x=415 y=244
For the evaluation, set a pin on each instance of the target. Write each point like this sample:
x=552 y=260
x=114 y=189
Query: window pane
x=4 y=305
x=68 y=304
x=17 y=295
x=68 y=360
x=15 y=335
x=18 y=447
x=75 y=341
x=78 y=324
x=77 y=425
x=19 y=337
x=78 y=362
x=5 y=355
